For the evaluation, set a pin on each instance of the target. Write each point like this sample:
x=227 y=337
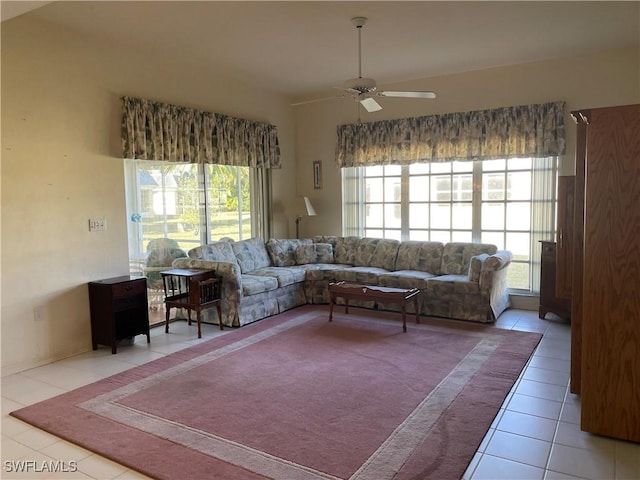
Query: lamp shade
x=310 y=210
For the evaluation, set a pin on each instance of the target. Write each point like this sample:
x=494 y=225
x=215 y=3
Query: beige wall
x=61 y=167
x=607 y=78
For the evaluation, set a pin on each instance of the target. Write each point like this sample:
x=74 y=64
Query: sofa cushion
x=344 y=251
x=254 y=284
x=421 y=256
x=475 y=265
x=457 y=256
x=282 y=251
x=314 y=253
x=443 y=285
x=364 y=275
x=405 y=279
x=214 y=252
x=284 y=275
x=376 y=252
x=251 y=254
x=322 y=271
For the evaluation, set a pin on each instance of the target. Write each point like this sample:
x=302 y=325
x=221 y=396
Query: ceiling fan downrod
x=359 y=22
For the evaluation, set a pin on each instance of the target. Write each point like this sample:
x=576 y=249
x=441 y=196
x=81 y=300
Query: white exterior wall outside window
x=509 y=203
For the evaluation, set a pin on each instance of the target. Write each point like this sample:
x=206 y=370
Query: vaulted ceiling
x=302 y=47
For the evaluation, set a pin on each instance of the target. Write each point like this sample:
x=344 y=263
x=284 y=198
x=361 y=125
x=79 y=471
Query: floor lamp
x=310 y=212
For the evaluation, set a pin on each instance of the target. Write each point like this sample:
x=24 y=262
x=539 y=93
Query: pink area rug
x=296 y=397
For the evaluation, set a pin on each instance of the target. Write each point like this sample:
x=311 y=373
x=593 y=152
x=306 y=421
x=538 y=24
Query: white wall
x=61 y=166
x=603 y=79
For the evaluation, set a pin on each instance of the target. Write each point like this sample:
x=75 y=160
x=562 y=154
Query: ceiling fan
x=363 y=90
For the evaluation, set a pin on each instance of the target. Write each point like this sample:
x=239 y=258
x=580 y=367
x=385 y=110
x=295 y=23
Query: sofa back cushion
x=314 y=253
x=251 y=254
x=456 y=256
x=214 y=252
x=344 y=250
x=420 y=256
x=282 y=251
x=377 y=252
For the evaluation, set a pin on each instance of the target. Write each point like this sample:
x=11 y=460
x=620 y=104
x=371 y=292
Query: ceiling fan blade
x=370 y=104
x=316 y=100
x=395 y=93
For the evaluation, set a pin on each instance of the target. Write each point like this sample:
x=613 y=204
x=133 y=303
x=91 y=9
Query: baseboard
x=524 y=302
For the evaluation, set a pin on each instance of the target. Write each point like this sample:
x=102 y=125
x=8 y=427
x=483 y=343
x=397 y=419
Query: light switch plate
x=97 y=224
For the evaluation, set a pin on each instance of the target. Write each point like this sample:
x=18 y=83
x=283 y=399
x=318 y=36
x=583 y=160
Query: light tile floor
x=536 y=434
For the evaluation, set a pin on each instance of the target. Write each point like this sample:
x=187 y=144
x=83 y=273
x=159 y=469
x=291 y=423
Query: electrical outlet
x=97 y=224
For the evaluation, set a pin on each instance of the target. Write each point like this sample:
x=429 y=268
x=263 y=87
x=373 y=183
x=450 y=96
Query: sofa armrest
x=493 y=280
x=229 y=272
x=499 y=260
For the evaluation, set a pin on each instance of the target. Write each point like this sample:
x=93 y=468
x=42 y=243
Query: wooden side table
x=119 y=310
x=191 y=289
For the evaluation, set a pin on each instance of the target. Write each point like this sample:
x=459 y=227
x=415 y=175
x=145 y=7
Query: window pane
x=418 y=168
x=441 y=216
x=376 y=171
x=462 y=187
x=392 y=216
x=519 y=216
x=392 y=170
x=229 y=202
x=368 y=232
x=462 y=166
x=494 y=238
x=460 y=236
x=462 y=216
x=418 y=215
x=519 y=244
x=373 y=190
x=419 y=235
x=493 y=186
x=440 y=236
x=418 y=189
x=518 y=275
x=393 y=234
x=441 y=188
x=519 y=164
x=519 y=186
x=492 y=165
x=169 y=203
x=374 y=215
x=392 y=189
x=440 y=167
x=492 y=216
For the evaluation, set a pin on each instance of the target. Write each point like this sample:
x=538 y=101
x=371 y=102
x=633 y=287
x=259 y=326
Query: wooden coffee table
x=375 y=293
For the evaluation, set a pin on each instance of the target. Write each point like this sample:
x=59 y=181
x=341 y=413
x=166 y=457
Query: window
x=193 y=204
x=509 y=203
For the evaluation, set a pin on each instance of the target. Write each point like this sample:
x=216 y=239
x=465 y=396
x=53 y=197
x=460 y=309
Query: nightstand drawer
x=129 y=289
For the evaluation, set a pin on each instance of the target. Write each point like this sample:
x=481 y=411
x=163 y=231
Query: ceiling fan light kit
x=362 y=89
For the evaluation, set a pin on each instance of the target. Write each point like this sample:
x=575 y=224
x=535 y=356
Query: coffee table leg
x=331 y=302
x=346 y=305
x=417 y=308
x=404 y=318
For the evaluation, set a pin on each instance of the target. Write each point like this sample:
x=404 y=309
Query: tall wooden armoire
x=606 y=275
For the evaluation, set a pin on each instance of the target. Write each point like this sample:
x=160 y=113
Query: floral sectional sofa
x=465 y=281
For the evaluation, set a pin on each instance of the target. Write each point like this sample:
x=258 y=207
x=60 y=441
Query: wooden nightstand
x=191 y=289
x=119 y=310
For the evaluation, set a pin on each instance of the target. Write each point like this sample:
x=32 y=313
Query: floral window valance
x=160 y=131
x=523 y=131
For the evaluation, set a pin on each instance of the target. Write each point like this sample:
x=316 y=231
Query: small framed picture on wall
x=317 y=174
